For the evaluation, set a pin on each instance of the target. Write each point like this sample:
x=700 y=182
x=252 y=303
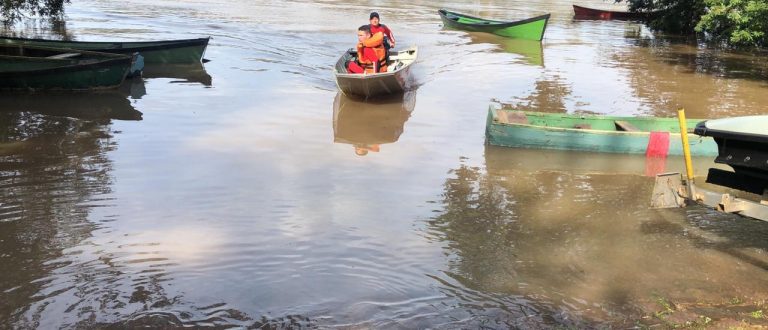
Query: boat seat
x=622 y=125
x=511 y=117
x=63 y=56
x=395 y=66
x=582 y=126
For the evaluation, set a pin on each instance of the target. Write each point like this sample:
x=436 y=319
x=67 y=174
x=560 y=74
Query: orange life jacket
x=376 y=42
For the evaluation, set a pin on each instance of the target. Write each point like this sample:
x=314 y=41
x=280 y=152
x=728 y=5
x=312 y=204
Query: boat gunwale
x=364 y=76
x=627 y=15
x=151 y=42
x=60 y=50
x=495 y=23
x=585 y=130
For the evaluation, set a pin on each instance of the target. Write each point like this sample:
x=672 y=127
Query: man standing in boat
x=389 y=39
x=371 y=54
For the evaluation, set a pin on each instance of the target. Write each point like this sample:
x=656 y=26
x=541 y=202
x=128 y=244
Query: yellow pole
x=686 y=146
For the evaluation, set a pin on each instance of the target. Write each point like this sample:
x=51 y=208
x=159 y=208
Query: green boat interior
x=25 y=58
x=602 y=123
x=397 y=60
x=22 y=51
x=468 y=20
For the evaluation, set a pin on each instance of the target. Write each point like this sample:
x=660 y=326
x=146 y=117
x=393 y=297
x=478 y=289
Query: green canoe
x=169 y=51
x=32 y=68
x=531 y=29
x=513 y=128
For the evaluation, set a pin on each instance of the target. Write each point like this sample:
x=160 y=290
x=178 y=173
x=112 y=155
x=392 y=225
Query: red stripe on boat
x=658 y=145
x=656 y=153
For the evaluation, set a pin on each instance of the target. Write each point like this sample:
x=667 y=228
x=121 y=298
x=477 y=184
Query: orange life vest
x=375 y=42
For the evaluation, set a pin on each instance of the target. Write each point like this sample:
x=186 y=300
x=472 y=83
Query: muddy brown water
x=249 y=193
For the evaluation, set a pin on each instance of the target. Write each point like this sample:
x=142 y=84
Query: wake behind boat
x=395 y=81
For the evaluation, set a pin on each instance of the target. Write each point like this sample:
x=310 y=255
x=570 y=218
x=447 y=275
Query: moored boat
x=743 y=145
x=31 y=68
x=513 y=128
x=531 y=28
x=395 y=81
x=592 y=13
x=167 y=51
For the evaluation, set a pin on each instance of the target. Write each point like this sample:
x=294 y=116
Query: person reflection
x=363 y=149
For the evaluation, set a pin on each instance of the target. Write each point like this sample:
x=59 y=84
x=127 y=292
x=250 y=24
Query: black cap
x=374 y=14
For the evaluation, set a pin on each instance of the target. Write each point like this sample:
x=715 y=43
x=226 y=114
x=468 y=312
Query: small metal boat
x=395 y=81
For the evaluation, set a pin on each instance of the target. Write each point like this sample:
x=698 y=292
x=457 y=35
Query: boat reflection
x=503 y=159
x=184 y=73
x=531 y=50
x=368 y=125
x=84 y=105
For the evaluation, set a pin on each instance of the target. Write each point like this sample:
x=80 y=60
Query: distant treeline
x=735 y=23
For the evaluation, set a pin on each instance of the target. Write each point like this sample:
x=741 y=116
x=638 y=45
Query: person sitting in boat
x=389 y=39
x=371 y=54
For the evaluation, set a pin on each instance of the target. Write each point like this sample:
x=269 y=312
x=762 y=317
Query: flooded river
x=249 y=193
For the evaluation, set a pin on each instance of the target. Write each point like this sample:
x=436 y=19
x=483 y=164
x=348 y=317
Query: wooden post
x=686 y=151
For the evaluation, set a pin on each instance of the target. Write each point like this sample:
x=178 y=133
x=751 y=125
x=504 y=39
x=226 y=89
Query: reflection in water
x=575 y=249
x=85 y=105
x=53 y=170
x=151 y=234
x=368 y=125
x=185 y=73
x=536 y=160
x=34 y=28
x=726 y=84
x=549 y=94
x=530 y=50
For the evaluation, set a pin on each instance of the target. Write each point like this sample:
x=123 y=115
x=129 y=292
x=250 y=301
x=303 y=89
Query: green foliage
x=757 y=314
x=737 y=23
x=740 y=23
x=13 y=10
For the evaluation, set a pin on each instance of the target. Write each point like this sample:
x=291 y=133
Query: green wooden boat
x=31 y=68
x=514 y=128
x=169 y=51
x=531 y=29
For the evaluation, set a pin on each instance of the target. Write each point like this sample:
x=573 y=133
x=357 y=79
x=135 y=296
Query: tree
x=736 y=23
x=672 y=16
x=740 y=23
x=13 y=10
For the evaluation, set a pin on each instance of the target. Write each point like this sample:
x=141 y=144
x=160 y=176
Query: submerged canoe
x=513 y=128
x=31 y=68
x=395 y=81
x=531 y=29
x=591 y=13
x=169 y=51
